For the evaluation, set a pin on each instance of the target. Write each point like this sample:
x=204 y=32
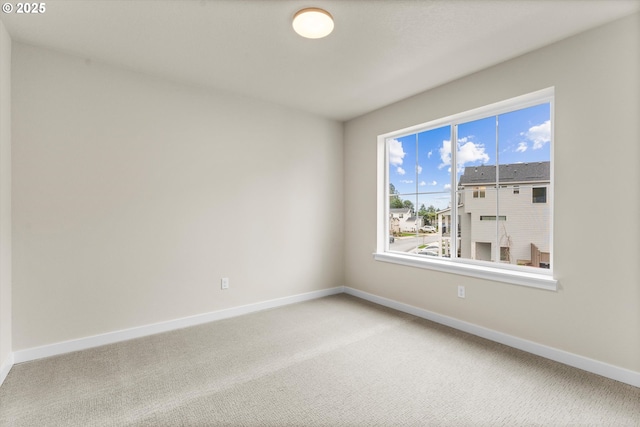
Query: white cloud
x=434 y=183
x=522 y=147
x=422 y=183
x=396 y=152
x=429 y=154
x=406 y=181
x=539 y=135
x=447 y=186
x=445 y=154
x=468 y=152
x=400 y=171
x=419 y=169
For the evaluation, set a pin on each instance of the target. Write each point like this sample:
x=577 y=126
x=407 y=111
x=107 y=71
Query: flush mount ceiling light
x=313 y=23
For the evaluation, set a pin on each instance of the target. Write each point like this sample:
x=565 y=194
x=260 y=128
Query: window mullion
x=415 y=174
x=387 y=196
x=454 y=193
x=496 y=251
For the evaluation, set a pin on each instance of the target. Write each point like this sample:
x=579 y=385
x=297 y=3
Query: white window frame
x=501 y=272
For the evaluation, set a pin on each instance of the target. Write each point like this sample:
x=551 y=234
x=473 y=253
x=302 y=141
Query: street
x=406 y=244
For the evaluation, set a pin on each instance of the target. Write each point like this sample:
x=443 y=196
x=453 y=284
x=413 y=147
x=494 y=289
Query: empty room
x=330 y=213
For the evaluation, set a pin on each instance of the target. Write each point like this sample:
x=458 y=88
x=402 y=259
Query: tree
x=429 y=214
x=423 y=213
x=408 y=204
x=432 y=214
x=395 y=201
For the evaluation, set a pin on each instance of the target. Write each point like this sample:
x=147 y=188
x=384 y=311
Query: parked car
x=430 y=252
x=428 y=229
x=433 y=249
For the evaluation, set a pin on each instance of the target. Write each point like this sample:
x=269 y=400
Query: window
x=479 y=192
x=539 y=195
x=492 y=218
x=464 y=173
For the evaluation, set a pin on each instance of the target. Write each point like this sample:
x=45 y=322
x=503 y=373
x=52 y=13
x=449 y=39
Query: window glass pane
x=478 y=224
x=433 y=214
x=524 y=152
x=525 y=136
x=526 y=229
x=433 y=167
x=402 y=159
x=476 y=158
x=477 y=147
x=539 y=195
x=419 y=186
x=433 y=172
x=403 y=220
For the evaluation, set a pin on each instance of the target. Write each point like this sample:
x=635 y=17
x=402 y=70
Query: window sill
x=522 y=278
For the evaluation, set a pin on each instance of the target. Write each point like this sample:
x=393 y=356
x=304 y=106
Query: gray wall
x=133 y=197
x=5 y=196
x=596 y=312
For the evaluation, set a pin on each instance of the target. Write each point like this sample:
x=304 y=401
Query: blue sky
x=421 y=163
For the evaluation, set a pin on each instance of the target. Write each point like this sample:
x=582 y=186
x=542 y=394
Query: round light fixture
x=313 y=23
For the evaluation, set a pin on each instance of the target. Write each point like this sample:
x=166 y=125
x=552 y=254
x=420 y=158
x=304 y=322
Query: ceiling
x=380 y=52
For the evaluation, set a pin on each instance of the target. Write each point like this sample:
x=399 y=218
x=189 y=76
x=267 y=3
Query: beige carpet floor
x=335 y=361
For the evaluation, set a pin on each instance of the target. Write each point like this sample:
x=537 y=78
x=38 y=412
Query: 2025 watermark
x=24 y=8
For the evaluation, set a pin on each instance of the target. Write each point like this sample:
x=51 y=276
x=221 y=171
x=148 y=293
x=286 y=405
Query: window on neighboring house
x=459 y=172
x=479 y=192
x=539 y=194
x=492 y=218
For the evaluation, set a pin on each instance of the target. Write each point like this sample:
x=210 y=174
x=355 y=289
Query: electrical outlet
x=460 y=291
x=224 y=283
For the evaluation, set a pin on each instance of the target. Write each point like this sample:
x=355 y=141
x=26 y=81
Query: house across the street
x=504 y=214
x=402 y=220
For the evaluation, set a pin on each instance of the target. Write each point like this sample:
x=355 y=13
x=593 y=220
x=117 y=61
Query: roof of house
x=399 y=210
x=515 y=172
x=449 y=208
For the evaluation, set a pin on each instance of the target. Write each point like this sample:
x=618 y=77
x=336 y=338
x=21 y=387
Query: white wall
x=5 y=200
x=596 y=312
x=133 y=197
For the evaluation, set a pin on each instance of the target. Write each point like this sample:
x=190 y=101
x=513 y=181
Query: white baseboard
x=594 y=366
x=143 y=331
x=606 y=370
x=5 y=367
